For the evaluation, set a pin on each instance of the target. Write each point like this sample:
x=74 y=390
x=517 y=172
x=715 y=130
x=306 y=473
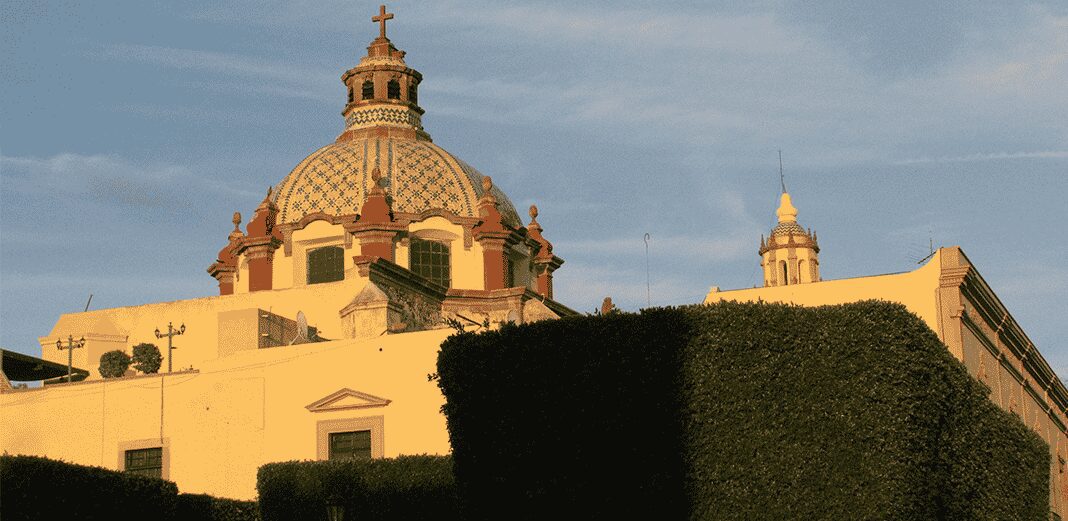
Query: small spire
x=237 y=221
x=487 y=183
x=607 y=307
x=533 y=214
x=782 y=179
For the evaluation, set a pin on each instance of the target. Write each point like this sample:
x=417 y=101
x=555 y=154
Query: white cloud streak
x=994 y=156
x=111 y=179
x=278 y=78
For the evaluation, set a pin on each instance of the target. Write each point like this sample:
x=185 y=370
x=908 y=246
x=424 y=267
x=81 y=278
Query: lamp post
x=170 y=334
x=335 y=509
x=72 y=344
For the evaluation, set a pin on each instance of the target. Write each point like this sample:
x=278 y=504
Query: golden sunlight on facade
x=332 y=305
x=951 y=296
x=335 y=297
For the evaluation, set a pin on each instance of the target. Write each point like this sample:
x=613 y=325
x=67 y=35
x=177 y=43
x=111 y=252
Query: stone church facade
x=332 y=303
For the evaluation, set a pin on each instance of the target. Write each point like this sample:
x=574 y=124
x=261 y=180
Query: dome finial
x=533 y=214
x=237 y=221
x=786 y=211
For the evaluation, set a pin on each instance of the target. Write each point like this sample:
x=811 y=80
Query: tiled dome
x=788 y=228
x=421 y=176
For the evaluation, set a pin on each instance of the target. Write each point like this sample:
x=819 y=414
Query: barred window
x=326 y=265
x=430 y=259
x=393 y=89
x=368 y=90
x=350 y=445
x=146 y=462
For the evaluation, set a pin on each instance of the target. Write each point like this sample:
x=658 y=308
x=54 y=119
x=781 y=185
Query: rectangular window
x=430 y=259
x=146 y=462
x=350 y=445
x=326 y=265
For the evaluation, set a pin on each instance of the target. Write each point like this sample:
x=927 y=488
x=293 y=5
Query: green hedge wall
x=402 y=488
x=202 y=507
x=33 y=488
x=733 y=411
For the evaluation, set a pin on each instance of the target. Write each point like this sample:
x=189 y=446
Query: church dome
x=421 y=176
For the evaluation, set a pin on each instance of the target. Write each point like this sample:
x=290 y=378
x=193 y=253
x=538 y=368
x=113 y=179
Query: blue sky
x=131 y=131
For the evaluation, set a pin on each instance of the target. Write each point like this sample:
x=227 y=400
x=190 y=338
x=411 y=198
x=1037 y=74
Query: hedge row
x=35 y=488
x=733 y=411
x=402 y=488
x=202 y=507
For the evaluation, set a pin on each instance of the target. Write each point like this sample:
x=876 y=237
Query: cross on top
x=381 y=19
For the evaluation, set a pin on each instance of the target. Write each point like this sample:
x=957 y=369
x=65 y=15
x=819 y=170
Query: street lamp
x=335 y=510
x=72 y=344
x=170 y=334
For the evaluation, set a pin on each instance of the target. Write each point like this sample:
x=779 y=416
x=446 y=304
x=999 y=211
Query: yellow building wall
x=129 y=326
x=914 y=289
x=222 y=421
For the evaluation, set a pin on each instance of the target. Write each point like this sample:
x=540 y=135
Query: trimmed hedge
x=36 y=488
x=733 y=411
x=402 y=488
x=202 y=507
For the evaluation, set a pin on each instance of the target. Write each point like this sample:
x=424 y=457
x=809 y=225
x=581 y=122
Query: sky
x=130 y=132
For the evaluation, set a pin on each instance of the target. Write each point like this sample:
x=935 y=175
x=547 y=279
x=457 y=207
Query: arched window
x=393 y=89
x=801 y=269
x=352 y=94
x=413 y=95
x=785 y=273
x=430 y=259
x=326 y=264
x=368 y=90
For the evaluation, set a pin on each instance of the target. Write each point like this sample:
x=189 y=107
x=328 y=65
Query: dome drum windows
x=413 y=94
x=393 y=89
x=326 y=264
x=430 y=260
x=368 y=90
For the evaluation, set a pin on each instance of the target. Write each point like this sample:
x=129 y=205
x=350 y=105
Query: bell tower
x=383 y=92
x=791 y=254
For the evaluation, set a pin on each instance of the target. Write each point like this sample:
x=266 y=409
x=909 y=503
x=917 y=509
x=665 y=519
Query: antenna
x=87 y=303
x=782 y=179
x=930 y=246
x=648 y=291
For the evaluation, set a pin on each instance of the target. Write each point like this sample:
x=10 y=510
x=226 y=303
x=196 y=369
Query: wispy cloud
x=993 y=156
x=289 y=79
x=110 y=179
x=737 y=245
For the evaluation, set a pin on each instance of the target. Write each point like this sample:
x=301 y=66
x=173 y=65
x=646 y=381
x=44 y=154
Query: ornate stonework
x=420 y=175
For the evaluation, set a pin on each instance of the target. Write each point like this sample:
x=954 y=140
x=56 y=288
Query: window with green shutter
x=326 y=264
x=146 y=462
x=350 y=445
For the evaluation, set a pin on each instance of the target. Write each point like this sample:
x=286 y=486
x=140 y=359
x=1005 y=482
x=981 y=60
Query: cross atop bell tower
x=381 y=19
